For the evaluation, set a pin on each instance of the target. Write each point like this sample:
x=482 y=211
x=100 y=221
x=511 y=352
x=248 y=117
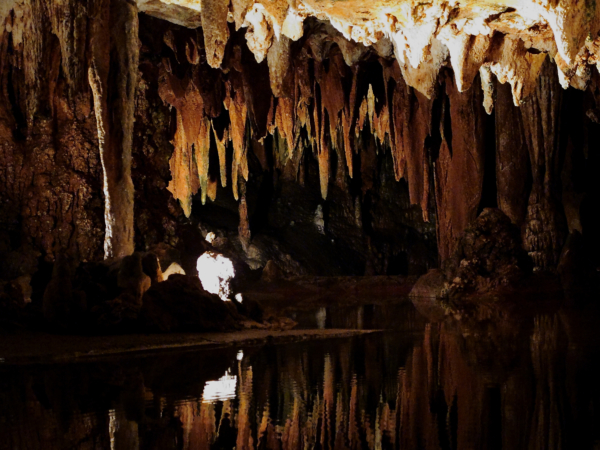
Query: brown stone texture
x=545 y=227
x=149 y=114
x=459 y=167
x=512 y=157
x=50 y=172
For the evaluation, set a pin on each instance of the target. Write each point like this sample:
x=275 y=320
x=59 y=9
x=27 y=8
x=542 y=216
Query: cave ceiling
x=301 y=74
x=509 y=38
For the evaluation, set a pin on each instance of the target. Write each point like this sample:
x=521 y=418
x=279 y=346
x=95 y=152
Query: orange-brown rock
x=459 y=167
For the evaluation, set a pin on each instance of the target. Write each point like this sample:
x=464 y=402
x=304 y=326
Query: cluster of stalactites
x=510 y=42
x=315 y=103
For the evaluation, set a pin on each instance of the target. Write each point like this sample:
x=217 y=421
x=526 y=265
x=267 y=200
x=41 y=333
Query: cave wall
x=319 y=123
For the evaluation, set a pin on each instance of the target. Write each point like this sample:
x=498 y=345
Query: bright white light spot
x=210 y=237
x=239 y=298
x=172 y=269
x=215 y=272
x=240 y=355
x=221 y=389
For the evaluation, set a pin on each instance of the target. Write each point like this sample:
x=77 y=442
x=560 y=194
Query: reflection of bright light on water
x=239 y=298
x=215 y=272
x=221 y=389
x=240 y=355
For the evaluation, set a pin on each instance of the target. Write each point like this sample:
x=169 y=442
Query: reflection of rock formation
x=471 y=384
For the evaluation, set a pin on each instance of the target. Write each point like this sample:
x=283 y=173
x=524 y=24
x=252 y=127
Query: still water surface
x=521 y=383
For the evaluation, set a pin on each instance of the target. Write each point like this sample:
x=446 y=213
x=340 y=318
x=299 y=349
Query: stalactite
x=412 y=124
x=423 y=77
x=236 y=105
x=545 y=222
x=515 y=65
x=115 y=135
x=467 y=54
x=459 y=167
x=322 y=144
x=183 y=184
x=240 y=8
x=512 y=158
x=216 y=31
x=259 y=35
x=279 y=61
x=221 y=149
x=201 y=151
x=489 y=89
x=303 y=96
x=284 y=122
x=244 y=226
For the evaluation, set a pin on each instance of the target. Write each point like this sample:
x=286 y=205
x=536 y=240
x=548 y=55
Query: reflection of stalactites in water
x=340 y=423
x=244 y=436
x=328 y=395
x=353 y=434
x=123 y=433
x=204 y=429
x=268 y=437
x=185 y=412
x=387 y=424
x=291 y=439
x=199 y=424
x=312 y=423
x=549 y=413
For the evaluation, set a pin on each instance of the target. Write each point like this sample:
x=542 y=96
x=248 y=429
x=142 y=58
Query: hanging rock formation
x=114 y=114
x=273 y=86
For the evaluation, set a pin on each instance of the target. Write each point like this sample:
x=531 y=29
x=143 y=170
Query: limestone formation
x=232 y=93
x=512 y=40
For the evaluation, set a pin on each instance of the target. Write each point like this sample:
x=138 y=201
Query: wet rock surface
x=181 y=303
x=126 y=295
x=489 y=259
x=489 y=256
